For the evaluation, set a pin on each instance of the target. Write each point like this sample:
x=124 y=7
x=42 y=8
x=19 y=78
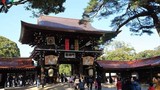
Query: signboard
x=88 y=60
x=51 y=60
x=69 y=55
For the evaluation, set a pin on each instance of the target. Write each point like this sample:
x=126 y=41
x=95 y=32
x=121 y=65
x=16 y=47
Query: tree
x=141 y=15
x=65 y=68
x=146 y=54
x=118 y=50
x=8 y=48
x=157 y=51
x=38 y=7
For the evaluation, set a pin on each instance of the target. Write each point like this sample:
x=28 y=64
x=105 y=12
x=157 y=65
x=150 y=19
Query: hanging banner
x=76 y=44
x=88 y=60
x=51 y=60
x=67 y=44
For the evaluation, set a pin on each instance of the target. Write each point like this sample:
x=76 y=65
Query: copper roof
x=16 y=63
x=48 y=24
x=112 y=65
x=67 y=23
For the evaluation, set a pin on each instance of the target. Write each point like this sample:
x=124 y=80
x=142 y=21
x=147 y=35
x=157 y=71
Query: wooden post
x=151 y=74
x=81 y=67
x=42 y=68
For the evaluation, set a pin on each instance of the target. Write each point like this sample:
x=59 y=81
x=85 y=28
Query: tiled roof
x=108 y=65
x=16 y=63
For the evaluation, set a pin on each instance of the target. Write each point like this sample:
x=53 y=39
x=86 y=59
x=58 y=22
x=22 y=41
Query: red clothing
x=151 y=88
x=119 y=85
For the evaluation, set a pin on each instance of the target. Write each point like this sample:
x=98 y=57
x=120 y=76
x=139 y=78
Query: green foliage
x=8 y=48
x=117 y=50
x=45 y=6
x=38 y=7
x=65 y=68
x=141 y=15
x=146 y=54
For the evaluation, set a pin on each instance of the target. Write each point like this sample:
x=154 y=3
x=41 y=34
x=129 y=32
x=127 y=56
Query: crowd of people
x=81 y=83
x=14 y=80
x=133 y=84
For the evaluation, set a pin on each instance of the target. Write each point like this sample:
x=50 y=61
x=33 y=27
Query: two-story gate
x=62 y=41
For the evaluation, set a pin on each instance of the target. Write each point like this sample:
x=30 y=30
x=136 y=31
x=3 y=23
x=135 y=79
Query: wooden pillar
x=103 y=76
x=42 y=68
x=151 y=74
x=71 y=69
x=81 y=67
x=110 y=78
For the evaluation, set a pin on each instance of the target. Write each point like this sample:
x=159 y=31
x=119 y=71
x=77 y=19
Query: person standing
x=135 y=84
x=156 y=80
x=70 y=81
x=90 y=82
x=126 y=84
x=81 y=85
x=99 y=86
x=96 y=84
x=38 y=81
x=62 y=77
x=151 y=86
x=119 y=84
x=76 y=82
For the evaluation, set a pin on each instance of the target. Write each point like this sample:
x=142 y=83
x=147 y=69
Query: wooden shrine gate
x=62 y=41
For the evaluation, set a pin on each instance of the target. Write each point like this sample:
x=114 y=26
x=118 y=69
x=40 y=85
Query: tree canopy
x=8 y=48
x=65 y=68
x=118 y=50
x=38 y=7
x=141 y=15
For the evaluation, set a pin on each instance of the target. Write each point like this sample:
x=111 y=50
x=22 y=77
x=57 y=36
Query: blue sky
x=11 y=26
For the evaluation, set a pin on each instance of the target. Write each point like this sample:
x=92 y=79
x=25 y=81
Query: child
x=151 y=87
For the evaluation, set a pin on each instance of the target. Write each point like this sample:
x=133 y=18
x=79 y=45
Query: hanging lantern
x=90 y=72
x=50 y=72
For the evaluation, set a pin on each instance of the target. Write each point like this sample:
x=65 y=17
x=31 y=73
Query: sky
x=10 y=27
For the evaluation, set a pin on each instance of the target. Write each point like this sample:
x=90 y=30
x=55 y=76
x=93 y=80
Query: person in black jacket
x=127 y=84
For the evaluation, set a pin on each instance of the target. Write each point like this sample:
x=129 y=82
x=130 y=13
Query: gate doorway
x=65 y=69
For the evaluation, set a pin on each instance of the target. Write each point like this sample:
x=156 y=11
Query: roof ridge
x=58 y=17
